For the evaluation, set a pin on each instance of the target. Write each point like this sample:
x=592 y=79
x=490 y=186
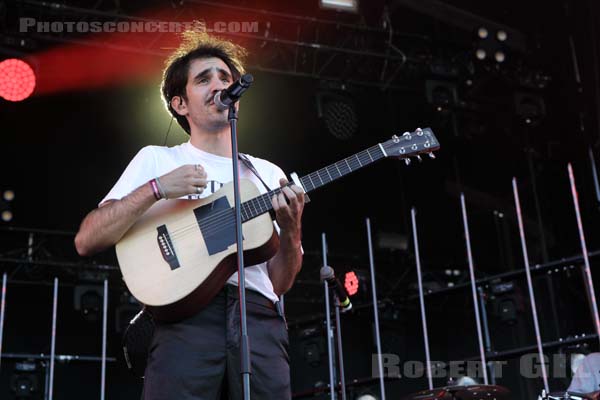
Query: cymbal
x=473 y=392
x=574 y=395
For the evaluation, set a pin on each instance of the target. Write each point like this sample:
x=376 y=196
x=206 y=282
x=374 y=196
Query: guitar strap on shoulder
x=250 y=166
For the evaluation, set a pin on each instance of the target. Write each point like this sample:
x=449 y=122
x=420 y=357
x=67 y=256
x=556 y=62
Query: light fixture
x=6 y=213
x=17 y=80
x=338 y=111
x=24 y=382
x=340 y=5
x=351 y=283
x=88 y=300
x=490 y=49
x=482 y=33
x=441 y=94
x=8 y=195
x=530 y=107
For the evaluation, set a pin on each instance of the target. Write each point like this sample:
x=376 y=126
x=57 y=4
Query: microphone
x=224 y=98
x=327 y=274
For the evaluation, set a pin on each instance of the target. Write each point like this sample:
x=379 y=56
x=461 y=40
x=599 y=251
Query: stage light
x=351 y=283
x=24 y=381
x=88 y=300
x=7 y=215
x=340 y=5
x=8 y=195
x=338 y=111
x=530 y=107
x=480 y=54
x=500 y=56
x=482 y=33
x=501 y=36
x=17 y=80
x=443 y=96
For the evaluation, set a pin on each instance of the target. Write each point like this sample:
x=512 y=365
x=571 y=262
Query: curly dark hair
x=196 y=45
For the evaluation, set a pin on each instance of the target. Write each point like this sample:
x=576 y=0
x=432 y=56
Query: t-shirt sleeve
x=277 y=175
x=140 y=170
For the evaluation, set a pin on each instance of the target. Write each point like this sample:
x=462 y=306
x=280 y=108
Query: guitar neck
x=262 y=204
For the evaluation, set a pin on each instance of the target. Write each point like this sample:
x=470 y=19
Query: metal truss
x=39 y=255
x=282 y=43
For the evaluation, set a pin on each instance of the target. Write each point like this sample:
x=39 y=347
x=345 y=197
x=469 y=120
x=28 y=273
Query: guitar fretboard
x=262 y=204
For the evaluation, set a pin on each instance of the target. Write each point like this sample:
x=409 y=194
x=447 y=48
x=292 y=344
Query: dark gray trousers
x=198 y=358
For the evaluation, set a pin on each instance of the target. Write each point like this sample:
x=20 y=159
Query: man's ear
x=178 y=104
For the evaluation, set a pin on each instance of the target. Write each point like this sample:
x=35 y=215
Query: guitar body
x=180 y=253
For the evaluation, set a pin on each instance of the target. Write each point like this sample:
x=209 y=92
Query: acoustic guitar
x=180 y=253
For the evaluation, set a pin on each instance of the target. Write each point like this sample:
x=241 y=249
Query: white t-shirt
x=153 y=161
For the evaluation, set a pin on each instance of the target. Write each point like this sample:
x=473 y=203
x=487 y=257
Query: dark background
x=63 y=148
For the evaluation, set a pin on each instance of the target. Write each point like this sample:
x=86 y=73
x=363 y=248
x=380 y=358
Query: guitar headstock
x=412 y=144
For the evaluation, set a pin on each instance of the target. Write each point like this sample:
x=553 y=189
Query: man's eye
x=225 y=80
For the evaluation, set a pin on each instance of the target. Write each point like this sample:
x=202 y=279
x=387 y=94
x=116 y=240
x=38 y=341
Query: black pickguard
x=218 y=231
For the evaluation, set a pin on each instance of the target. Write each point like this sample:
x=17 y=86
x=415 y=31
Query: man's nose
x=218 y=85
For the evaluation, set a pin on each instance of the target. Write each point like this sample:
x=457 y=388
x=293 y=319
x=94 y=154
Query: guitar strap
x=244 y=158
x=280 y=304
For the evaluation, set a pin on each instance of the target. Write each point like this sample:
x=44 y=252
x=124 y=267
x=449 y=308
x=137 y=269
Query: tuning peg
x=419 y=158
x=419 y=132
x=431 y=155
x=407 y=161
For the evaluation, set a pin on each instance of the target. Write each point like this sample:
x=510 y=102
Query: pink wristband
x=155 y=190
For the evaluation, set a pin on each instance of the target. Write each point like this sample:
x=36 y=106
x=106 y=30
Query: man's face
x=206 y=76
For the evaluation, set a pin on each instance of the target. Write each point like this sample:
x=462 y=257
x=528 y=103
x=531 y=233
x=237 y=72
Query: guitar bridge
x=166 y=247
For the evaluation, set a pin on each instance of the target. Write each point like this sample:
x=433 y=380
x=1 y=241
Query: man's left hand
x=288 y=206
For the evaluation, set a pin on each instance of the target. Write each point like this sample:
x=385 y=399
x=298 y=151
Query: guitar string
x=217 y=219
x=213 y=223
x=222 y=220
x=207 y=221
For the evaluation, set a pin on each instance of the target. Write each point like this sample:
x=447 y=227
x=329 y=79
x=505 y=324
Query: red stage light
x=17 y=80
x=351 y=283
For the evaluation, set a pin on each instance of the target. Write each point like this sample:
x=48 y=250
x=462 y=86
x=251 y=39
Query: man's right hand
x=187 y=179
x=106 y=225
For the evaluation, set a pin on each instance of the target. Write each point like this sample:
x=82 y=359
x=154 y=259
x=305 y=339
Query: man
x=198 y=358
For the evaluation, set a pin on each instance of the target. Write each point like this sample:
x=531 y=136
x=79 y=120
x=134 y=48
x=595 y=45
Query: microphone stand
x=330 y=346
x=244 y=340
x=338 y=331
